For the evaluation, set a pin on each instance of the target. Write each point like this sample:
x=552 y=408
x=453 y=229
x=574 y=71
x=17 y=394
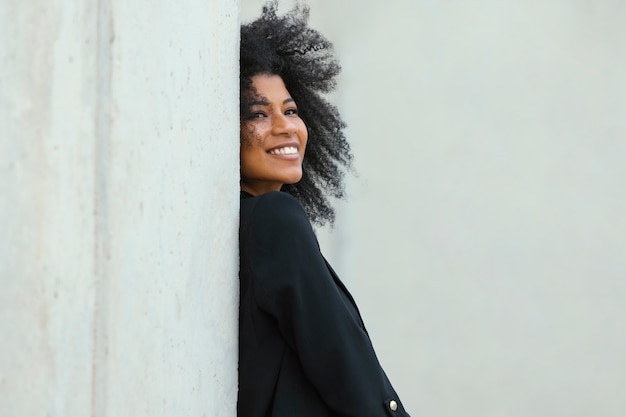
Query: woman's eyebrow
x=262 y=101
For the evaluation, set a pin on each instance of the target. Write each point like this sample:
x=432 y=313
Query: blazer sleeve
x=293 y=284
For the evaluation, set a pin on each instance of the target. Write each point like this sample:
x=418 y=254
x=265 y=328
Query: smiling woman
x=303 y=347
x=273 y=138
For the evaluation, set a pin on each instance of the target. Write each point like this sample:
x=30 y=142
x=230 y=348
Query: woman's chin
x=292 y=177
x=294 y=180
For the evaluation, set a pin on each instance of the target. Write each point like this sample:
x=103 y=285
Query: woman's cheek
x=249 y=134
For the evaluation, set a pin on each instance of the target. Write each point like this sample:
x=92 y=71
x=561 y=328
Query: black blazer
x=303 y=348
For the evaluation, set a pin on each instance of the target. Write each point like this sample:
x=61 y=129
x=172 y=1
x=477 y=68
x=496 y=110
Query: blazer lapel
x=345 y=291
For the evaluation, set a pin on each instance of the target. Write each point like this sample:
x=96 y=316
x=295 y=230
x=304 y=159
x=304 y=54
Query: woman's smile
x=286 y=151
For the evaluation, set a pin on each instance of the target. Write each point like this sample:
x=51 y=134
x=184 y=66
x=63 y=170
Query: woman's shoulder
x=273 y=202
x=273 y=209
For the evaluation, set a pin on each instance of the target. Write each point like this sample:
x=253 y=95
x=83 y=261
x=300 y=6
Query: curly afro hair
x=305 y=60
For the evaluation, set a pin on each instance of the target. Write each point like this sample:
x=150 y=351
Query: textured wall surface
x=485 y=237
x=118 y=208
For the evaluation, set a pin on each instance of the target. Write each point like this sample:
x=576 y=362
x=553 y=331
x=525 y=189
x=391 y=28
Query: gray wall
x=485 y=238
x=119 y=178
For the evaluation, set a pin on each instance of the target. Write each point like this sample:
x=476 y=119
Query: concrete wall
x=119 y=208
x=485 y=237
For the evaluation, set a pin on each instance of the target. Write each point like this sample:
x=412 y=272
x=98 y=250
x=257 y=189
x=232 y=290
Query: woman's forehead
x=267 y=89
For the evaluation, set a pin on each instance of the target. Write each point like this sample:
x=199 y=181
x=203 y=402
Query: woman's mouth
x=286 y=150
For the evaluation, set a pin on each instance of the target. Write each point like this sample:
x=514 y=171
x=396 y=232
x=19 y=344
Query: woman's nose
x=282 y=125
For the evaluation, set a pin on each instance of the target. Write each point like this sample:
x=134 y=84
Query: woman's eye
x=291 y=111
x=258 y=115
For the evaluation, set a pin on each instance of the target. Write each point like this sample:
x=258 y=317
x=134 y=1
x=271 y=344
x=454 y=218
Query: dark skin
x=273 y=138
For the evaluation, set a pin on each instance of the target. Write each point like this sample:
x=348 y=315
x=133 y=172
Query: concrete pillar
x=119 y=208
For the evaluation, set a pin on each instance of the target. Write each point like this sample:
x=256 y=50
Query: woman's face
x=273 y=137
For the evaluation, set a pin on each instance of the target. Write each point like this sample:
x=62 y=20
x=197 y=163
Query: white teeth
x=288 y=150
